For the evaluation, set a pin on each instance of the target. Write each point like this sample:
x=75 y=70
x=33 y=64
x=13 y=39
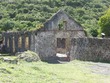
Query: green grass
x=42 y=72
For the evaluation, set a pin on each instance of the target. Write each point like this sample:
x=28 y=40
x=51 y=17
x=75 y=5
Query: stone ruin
x=60 y=34
x=53 y=38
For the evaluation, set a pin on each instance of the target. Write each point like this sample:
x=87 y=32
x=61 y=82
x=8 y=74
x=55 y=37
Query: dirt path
x=100 y=68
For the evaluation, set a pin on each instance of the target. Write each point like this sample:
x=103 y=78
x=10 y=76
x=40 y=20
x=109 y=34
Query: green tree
x=104 y=23
x=94 y=32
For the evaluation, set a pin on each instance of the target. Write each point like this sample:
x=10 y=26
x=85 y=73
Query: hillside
x=30 y=14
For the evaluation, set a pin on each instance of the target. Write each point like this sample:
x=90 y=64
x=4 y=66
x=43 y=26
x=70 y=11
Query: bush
x=80 y=11
x=25 y=10
x=74 y=3
x=12 y=14
x=8 y=25
x=94 y=32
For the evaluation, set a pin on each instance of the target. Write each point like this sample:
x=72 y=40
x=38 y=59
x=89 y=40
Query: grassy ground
x=42 y=72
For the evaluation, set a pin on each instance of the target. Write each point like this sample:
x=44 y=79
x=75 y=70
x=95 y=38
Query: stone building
x=54 y=37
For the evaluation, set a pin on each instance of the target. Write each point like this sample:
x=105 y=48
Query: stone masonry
x=91 y=49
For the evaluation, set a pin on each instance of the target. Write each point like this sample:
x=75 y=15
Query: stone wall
x=46 y=42
x=42 y=42
x=45 y=45
x=16 y=41
x=91 y=49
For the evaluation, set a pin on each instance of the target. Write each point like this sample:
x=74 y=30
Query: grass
x=42 y=72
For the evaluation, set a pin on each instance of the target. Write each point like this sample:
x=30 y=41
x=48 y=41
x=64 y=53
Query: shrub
x=8 y=25
x=94 y=32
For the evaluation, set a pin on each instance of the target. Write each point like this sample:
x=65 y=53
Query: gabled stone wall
x=63 y=19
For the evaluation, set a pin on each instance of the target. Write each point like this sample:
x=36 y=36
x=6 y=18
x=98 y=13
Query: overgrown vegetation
x=40 y=72
x=104 y=22
x=26 y=14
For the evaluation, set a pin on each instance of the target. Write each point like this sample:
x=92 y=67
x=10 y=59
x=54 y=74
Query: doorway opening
x=62 y=49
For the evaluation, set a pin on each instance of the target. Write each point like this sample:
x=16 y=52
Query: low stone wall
x=16 y=41
x=90 y=49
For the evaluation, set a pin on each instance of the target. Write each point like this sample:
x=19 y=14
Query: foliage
x=60 y=25
x=26 y=14
x=104 y=22
x=94 y=32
